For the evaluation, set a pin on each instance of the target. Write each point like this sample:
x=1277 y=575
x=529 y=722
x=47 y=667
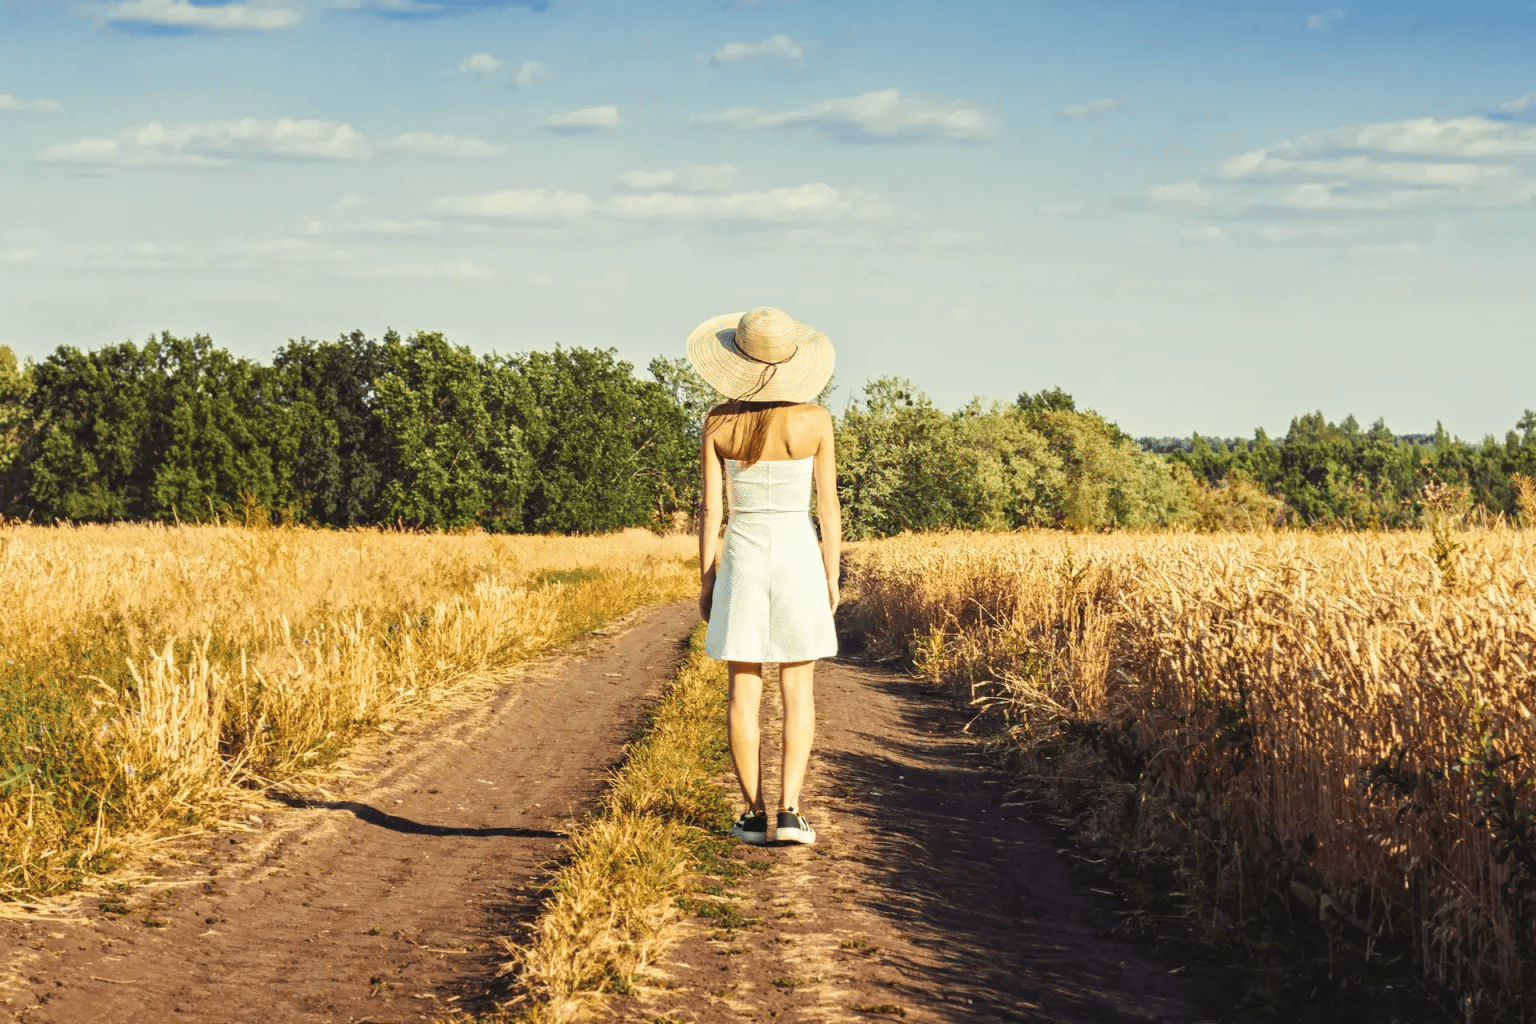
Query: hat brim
x=712 y=351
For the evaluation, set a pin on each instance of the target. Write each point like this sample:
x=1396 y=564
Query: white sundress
x=770 y=599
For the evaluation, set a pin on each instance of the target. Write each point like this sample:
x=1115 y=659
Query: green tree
x=608 y=450
x=93 y=458
x=1053 y=400
x=327 y=453
x=434 y=428
x=15 y=423
x=210 y=429
x=901 y=465
x=1019 y=480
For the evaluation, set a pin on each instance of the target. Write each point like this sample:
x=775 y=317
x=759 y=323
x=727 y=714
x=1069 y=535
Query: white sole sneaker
x=794 y=829
x=752 y=836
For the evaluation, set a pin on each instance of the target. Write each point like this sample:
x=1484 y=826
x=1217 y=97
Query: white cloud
x=531 y=71
x=1259 y=163
x=1414 y=164
x=433 y=144
x=1394 y=249
x=18 y=256
x=416 y=226
x=349 y=202
x=698 y=178
x=527 y=204
x=1102 y=105
x=885 y=114
x=9 y=102
x=587 y=119
x=817 y=201
x=778 y=47
x=215 y=143
x=409 y=6
x=1305 y=196
x=1519 y=103
x=458 y=270
x=181 y=13
x=479 y=63
x=1325 y=19
x=1427 y=136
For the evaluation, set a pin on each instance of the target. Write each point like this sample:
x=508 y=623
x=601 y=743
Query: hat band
x=766 y=362
x=769 y=372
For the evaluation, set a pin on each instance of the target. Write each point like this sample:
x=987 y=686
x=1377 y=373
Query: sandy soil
x=382 y=904
x=928 y=896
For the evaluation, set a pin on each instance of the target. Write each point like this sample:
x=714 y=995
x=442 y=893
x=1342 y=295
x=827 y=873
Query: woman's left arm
x=829 y=511
x=711 y=515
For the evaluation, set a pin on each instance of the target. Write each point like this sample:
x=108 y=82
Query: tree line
x=1336 y=474
x=419 y=433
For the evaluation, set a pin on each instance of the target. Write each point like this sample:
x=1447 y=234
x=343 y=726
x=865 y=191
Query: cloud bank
x=1414 y=164
x=478 y=64
x=776 y=47
x=814 y=202
x=587 y=119
x=9 y=102
x=217 y=143
x=531 y=71
x=1103 y=105
x=182 y=14
x=698 y=178
x=872 y=116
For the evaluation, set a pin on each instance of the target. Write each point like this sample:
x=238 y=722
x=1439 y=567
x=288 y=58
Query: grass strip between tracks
x=616 y=894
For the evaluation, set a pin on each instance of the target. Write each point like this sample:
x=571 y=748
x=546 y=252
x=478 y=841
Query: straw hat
x=761 y=356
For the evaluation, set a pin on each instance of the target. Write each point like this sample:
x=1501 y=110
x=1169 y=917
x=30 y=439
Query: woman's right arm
x=711 y=514
x=829 y=511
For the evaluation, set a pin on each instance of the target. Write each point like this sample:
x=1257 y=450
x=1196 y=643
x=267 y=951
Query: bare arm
x=711 y=515
x=829 y=511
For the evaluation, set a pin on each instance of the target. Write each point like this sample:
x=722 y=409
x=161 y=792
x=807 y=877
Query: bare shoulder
x=815 y=415
x=813 y=412
x=814 y=421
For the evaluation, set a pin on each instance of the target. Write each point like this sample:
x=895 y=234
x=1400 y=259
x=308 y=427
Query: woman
x=774 y=593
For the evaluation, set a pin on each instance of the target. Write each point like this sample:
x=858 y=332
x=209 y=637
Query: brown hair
x=755 y=420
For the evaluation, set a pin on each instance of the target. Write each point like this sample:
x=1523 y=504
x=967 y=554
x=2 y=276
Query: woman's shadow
x=373 y=816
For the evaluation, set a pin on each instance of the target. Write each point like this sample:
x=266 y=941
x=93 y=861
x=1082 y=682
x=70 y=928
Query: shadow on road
x=998 y=920
x=373 y=816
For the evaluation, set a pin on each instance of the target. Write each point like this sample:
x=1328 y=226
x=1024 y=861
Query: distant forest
x=416 y=432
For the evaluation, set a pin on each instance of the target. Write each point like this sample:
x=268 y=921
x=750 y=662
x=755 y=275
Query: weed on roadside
x=625 y=877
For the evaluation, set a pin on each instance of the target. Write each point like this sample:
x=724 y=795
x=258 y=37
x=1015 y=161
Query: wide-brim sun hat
x=762 y=355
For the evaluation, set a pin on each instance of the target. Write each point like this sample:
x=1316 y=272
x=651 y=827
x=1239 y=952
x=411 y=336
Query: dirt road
x=928 y=896
x=382 y=905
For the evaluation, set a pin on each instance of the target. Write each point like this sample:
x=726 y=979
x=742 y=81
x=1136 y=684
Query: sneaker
x=751 y=828
x=795 y=829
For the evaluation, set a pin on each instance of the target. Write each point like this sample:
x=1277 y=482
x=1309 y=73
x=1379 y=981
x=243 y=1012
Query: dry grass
x=150 y=676
x=1348 y=712
x=613 y=899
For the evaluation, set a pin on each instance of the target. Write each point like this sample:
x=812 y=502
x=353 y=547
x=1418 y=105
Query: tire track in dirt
x=927 y=897
x=382 y=904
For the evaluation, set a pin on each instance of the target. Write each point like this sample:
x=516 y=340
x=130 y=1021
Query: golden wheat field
x=150 y=676
x=1351 y=710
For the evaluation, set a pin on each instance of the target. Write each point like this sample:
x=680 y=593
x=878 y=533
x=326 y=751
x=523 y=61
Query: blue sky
x=1192 y=215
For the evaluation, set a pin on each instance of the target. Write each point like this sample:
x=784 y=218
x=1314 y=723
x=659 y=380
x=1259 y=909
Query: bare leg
x=741 y=724
x=799 y=727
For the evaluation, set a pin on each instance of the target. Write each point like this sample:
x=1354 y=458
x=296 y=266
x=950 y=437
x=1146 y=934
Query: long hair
x=751 y=428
